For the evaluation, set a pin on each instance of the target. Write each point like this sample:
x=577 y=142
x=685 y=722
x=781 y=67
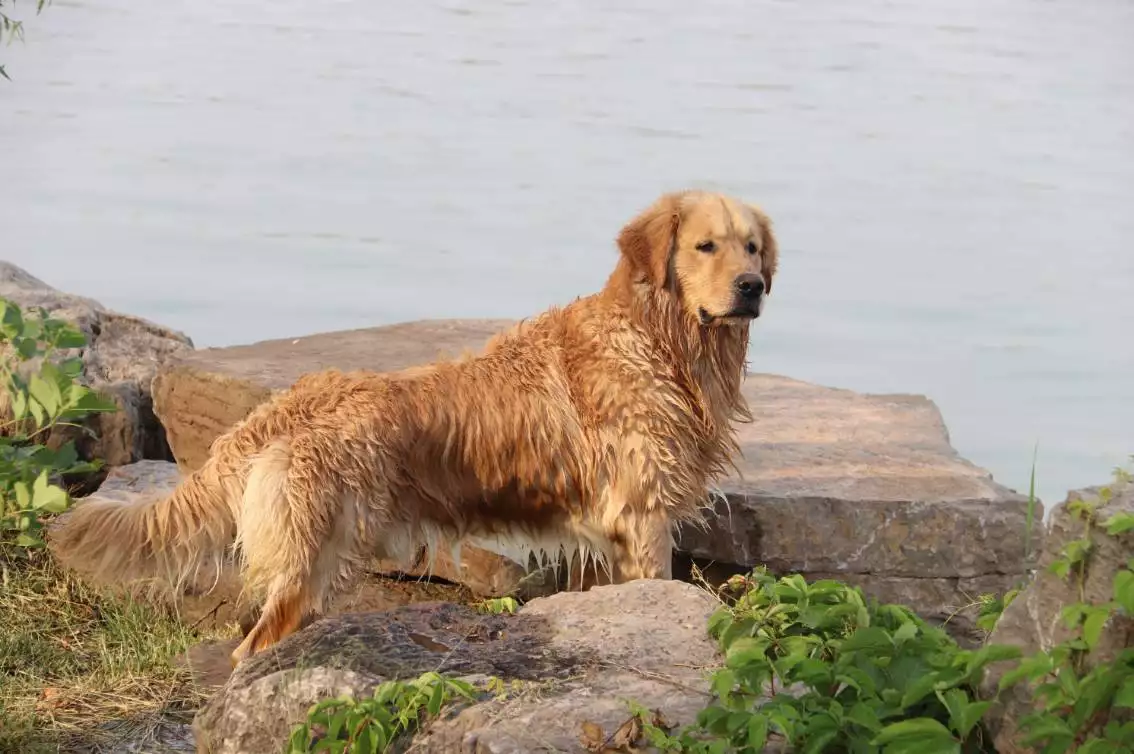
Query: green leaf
x=27 y=348
x=1124 y=590
x=38 y=413
x=64 y=458
x=386 y=692
x=83 y=400
x=19 y=400
x=1119 y=523
x=1061 y=567
x=919 y=689
x=868 y=638
x=1078 y=549
x=23 y=495
x=922 y=734
x=336 y=724
x=905 y=632
x=46 y=393
x=436 y=699
x=69 y=338
x=757 y=732
x=1093 y=625
x=1098 y=746
x=381 y=738
x=300 y=740
x=367 y=742
x=1124 y=697
x=817 y=744
x=991 y=653
x=52 y=499
x=746 y=650
x=862 y=715
x=955 y=702
x=1046 y=728
x=29 y=541
x=1032 y=668
x=11 y=320
x=723 y=683
x=970 y=716
x=1122 y=733
x=72 y=368
x=719 y=621
x=735 y=722
x=44 y=493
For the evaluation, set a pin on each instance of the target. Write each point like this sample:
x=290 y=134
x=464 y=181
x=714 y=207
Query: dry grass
x=82 y=670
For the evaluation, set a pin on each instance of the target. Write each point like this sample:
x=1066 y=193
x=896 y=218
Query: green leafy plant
x=39 y=400
x=826 y=670
x=1079 y=708
x=373 y=725
x=497 y=606
x=991 y=607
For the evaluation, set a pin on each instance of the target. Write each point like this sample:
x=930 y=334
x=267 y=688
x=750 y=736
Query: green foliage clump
x=373 y=725
x=49 y=397
x=822 y=668
x=1080 y=707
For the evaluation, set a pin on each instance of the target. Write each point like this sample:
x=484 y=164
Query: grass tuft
x=82 y=669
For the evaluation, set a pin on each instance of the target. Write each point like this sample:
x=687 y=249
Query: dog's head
x=717 y=253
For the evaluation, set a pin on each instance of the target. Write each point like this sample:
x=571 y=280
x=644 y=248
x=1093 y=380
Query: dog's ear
x=646 y=240
x=769 y=248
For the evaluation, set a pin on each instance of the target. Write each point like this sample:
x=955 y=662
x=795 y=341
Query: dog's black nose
x=750 y=286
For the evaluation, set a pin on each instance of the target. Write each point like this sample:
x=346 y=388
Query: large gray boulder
x=122 y=356
x=1033 y=621
x=579 y=656
x=866 y=488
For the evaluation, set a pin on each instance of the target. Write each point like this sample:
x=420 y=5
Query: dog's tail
x=171 y=542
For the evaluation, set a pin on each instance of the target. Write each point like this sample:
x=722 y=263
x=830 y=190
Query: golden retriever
x=586 y=431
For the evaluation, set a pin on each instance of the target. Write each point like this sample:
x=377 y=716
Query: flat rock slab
x=837 y=481
x=121 y=357
x=830 y=482
x=577 y=657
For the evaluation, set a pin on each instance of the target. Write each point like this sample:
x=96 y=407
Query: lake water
x=952 y=182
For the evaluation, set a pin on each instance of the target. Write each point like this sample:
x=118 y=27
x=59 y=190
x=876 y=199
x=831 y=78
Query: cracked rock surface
x=578 y=656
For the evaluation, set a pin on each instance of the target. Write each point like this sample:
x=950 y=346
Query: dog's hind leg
x=297 y=536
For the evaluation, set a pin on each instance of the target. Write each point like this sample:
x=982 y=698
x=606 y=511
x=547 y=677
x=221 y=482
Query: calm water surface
x=952 y=181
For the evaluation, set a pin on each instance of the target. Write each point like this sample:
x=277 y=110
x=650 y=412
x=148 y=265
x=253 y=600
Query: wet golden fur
x=587 y=430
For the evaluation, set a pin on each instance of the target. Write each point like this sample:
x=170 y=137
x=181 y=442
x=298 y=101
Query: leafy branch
x=43 y=393
x=11 y=28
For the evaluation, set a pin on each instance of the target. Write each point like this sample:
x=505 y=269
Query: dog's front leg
x=642 y=545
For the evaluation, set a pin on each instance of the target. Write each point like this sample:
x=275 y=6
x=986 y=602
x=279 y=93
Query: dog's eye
x=752 y=247
x=706 y=246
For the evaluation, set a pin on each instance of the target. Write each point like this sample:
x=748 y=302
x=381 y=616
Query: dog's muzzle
x=749 y=291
